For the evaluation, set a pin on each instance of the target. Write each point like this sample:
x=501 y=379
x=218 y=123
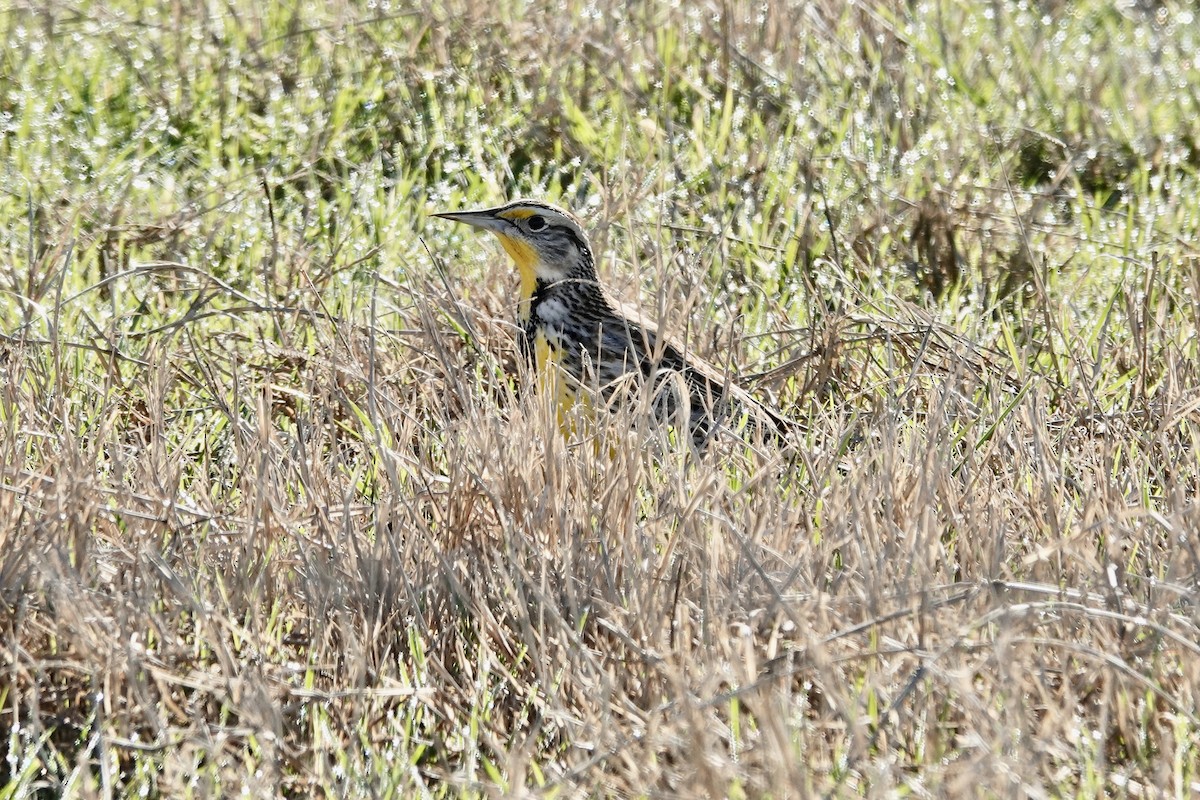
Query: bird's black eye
x=536 y=223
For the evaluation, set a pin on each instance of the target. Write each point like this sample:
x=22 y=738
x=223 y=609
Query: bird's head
x=547 y=244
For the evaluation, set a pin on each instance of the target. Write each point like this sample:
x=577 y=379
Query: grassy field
x=277 y=517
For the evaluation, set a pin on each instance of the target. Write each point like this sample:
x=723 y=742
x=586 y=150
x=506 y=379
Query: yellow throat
x=526 y=260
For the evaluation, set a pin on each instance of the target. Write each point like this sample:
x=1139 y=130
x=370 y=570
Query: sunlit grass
x=276 y=515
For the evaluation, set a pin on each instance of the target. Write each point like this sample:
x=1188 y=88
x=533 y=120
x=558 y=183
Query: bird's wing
x=714 y=382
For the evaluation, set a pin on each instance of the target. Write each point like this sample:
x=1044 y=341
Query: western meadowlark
x=575 y=333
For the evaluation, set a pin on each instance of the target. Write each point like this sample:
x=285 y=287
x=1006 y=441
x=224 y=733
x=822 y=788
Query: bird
x=575 y=335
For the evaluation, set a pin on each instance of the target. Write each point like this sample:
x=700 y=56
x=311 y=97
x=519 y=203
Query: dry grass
x=276 y=519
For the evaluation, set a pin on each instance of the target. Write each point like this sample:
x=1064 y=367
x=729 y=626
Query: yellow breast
x=551 y=373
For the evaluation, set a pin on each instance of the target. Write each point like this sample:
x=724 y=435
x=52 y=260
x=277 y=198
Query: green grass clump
x=277 y=515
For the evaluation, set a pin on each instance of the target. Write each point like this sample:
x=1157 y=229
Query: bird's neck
x=542 y=290
x=533 y=292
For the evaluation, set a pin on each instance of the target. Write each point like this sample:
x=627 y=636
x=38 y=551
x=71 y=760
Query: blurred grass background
x=276 y=519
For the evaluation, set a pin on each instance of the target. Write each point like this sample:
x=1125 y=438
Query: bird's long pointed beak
x=485 y=219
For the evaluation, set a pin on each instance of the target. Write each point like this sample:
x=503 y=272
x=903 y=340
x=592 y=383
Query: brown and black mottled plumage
x=568 y=319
